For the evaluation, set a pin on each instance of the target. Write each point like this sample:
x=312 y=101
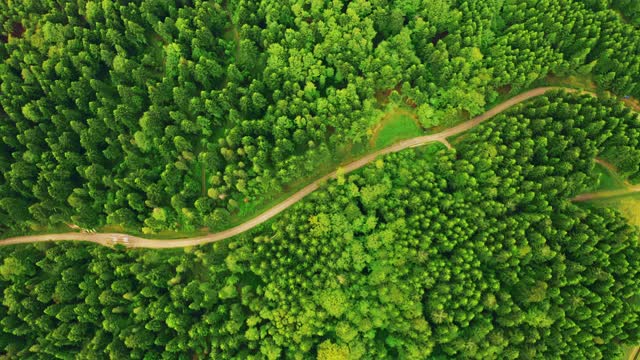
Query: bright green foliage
x=160 y=115
x=628 y=9
x=111 y=109
x=608 y=179
x=399 y=127
x=473 y=253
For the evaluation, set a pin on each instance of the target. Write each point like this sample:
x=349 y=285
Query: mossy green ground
x=628 y=205
x=398 y=127
x=608 y=179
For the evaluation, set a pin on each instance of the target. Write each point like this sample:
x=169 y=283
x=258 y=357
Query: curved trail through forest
x=607 y=194
x=110 y=239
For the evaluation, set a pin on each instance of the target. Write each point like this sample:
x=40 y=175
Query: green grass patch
x=576 y=82
x=229 y=34
x=432 y=150
x=172 y=234
x=608 y=179
x=627 y=204
x=399 y=127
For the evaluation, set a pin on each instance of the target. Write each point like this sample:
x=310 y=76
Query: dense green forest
x=476 y=252
x=157 y=115
x=628 y=9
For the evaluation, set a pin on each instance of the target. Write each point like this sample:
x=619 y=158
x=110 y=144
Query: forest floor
x=626 y=201
x=110 y=239
x=632 y=103
x=397 y=124
x=609 y=177
x=578 y=82
x=612 y=185
x=613 y=191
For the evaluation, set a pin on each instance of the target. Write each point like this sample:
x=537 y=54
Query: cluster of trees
x=557 y=137
x=628 y=9
x=477 y=253
x=73 y=300
x=106 y=108
x=566 y=37
x=170 y=115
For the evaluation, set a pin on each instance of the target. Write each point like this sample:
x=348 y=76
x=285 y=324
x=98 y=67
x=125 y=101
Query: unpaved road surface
x=110 y=239
x=607 y=194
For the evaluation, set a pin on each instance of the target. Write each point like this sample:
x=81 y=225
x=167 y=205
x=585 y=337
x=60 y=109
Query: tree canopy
x=115 y=112
x=476 y=252
x=156 y=115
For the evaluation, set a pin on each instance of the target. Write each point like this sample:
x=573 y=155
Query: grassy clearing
x=628 y=205
x=608 y=179
x=431 y=149
x=630 y=353
x=576 y=82
x=231 y=34
x=171 y=234
x=398 y=127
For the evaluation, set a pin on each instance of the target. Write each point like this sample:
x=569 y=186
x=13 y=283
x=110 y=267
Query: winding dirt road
x=109 y=239
x=607 y=194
